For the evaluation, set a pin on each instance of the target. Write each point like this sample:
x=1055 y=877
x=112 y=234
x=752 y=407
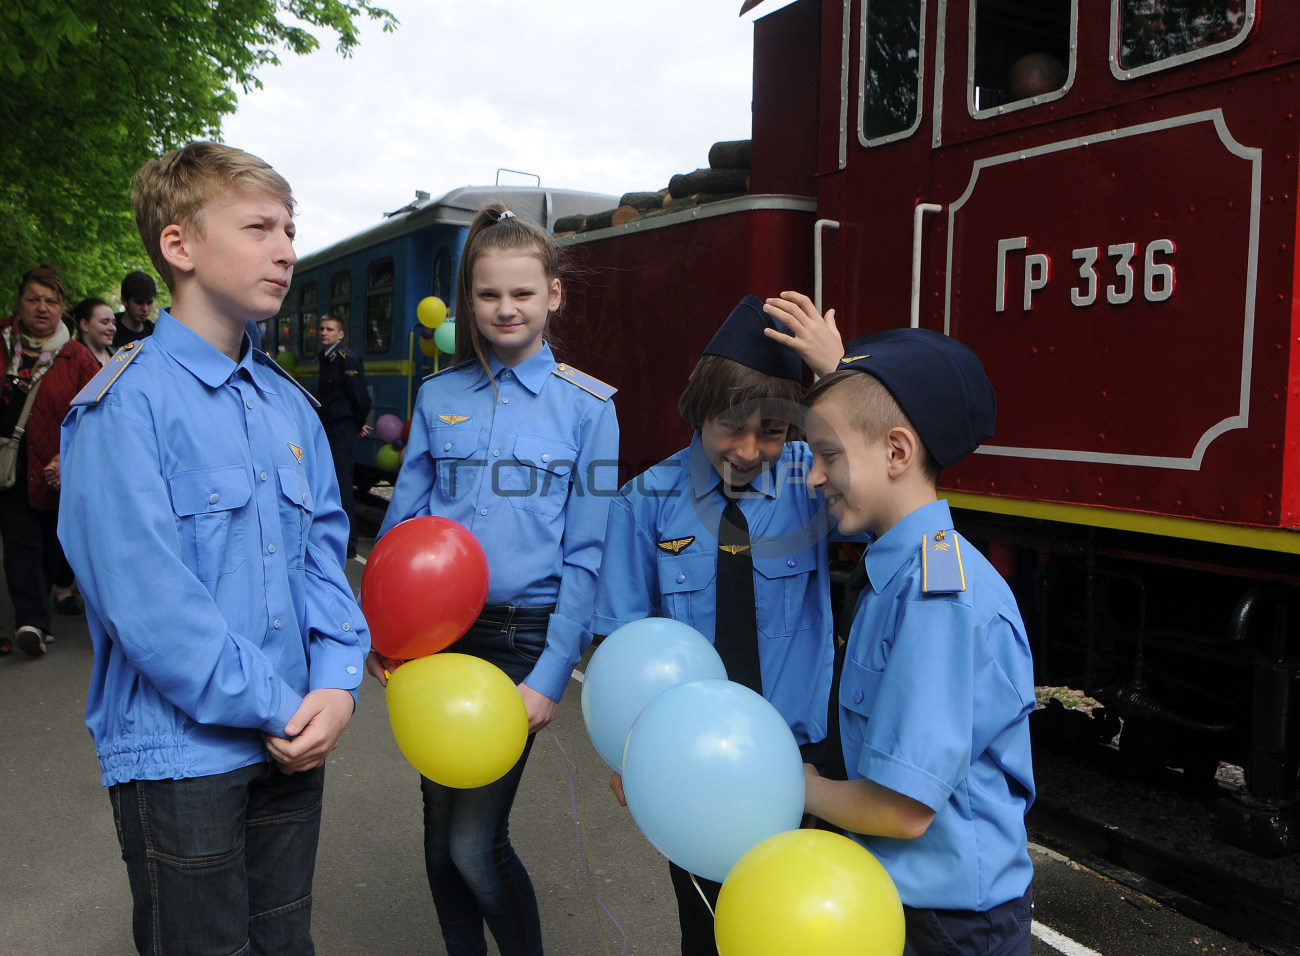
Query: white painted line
x=358 y=559
x=1062 y=944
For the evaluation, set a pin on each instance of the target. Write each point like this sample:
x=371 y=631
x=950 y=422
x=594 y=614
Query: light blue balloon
x=630 y=668
x=710 y=771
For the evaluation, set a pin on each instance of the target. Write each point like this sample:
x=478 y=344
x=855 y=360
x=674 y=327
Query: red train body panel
x=1119 y=248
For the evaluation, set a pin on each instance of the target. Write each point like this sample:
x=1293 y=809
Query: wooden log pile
x=726 y=177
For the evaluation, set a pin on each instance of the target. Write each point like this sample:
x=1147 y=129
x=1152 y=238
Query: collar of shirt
x=532 y=372
x=202 y=359
x=888 y=553
x=705 y=478
x=331 y=350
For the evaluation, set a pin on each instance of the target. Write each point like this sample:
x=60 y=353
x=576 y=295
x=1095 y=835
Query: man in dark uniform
x=344 y=407
x=133 y=324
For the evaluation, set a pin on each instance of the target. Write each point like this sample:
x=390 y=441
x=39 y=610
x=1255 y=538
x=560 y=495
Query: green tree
x=91 y=89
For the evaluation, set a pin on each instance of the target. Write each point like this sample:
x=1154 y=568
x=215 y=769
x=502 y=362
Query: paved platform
x=63 y=888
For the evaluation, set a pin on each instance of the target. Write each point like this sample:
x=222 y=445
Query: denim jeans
x=221 y=864
x=474 y=874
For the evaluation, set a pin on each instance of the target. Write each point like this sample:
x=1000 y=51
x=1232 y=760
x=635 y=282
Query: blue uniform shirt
x=200 y=513
x=935 y=698
x=529 y=469
x=661 y=559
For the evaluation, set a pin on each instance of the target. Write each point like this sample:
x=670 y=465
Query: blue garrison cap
x=741 y=339
x=939 y=383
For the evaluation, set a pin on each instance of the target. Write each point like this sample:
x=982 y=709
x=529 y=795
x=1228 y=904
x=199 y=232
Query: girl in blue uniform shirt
x=501 y=442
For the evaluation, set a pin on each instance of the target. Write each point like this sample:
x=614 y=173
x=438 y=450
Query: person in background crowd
x=96 y=327
x=44 y=365
x=344 y=406
x=138 y=292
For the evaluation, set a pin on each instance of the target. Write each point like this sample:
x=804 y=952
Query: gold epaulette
x=941 y=567
x=98 y=386
x=588 y=383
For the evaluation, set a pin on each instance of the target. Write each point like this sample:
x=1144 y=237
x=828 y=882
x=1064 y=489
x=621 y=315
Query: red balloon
x=424 y=585
x=406 y=431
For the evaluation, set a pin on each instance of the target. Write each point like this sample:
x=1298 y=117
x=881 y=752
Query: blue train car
x=374 y=280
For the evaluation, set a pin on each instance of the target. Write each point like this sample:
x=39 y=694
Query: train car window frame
x=376 y=345
x=1029 y=102
x=341 y=303
x=307 y=328
x=863 y=56
x=1172 y=62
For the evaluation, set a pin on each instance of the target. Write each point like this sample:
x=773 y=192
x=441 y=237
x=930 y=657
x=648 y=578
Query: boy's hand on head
x=541 y=709
x=313 y=731
x=379 y=667
x=814 y=336
x=616 y=784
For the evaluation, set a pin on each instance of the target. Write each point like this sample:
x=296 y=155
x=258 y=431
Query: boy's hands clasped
x=313 y=731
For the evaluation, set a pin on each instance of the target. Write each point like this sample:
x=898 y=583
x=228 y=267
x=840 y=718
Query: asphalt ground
x=63 y=887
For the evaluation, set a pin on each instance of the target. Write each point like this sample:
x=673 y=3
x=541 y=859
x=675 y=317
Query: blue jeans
x=474 y=874
x=221 y=864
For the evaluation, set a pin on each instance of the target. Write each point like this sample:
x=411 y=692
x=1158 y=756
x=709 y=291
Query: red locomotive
x=1100 y=198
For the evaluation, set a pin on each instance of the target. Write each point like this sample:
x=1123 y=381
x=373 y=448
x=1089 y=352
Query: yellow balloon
x=459 y=720
x=429 y=347
x=808 y=891
x=431 y=311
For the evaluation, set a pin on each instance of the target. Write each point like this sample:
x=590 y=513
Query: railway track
x=1163 y=843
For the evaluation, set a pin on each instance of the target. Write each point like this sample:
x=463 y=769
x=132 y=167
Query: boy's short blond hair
x=175 y=189
x=872 y=409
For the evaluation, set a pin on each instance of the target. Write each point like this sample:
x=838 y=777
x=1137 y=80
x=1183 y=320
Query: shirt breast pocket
x=458 y=470
x=686 y=589
x=781 y=594
x=205 y=504
x=858 y=687
x=539 y=477
x=297 y=507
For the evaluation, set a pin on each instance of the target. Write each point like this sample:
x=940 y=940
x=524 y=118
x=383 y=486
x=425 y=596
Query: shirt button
x=857 y=696
x=789 y=562
x=271 y=548
x=213 y=498
x=483 y=512
x=352 y=668
x=447 y=447
x=347 y=626
x=262 y=476
x=304 y=501
x=681 y=579
x=496 y=453
x=546 y=458
x=507 y=374
x=276 y=623
x=248 y=405
x=505 y=401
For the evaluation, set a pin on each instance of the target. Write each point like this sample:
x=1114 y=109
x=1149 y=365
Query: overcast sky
x=604 y=95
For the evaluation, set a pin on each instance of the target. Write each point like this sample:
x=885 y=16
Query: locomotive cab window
x=1021 y=53
x=380 y=280
x=1150 y=35
x=275 y=329
x=308 y=312
x=893 y=54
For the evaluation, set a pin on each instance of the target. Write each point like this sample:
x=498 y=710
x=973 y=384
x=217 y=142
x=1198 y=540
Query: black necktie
x=853 y=588
x=736 y=630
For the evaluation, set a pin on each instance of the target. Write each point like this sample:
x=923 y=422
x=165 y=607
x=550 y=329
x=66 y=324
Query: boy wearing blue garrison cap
x=937 y=682
x=727 y=537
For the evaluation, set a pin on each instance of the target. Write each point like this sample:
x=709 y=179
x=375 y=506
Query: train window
x=889 y=94
x=274 y=330
x=1150 y=35
x=1021 y=53
x=308 y=310
x=380 y=280
x=341 y=296
x=442 y=274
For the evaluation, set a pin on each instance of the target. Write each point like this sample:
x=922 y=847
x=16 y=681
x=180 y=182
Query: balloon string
x=707 y=905
x=579 y=833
